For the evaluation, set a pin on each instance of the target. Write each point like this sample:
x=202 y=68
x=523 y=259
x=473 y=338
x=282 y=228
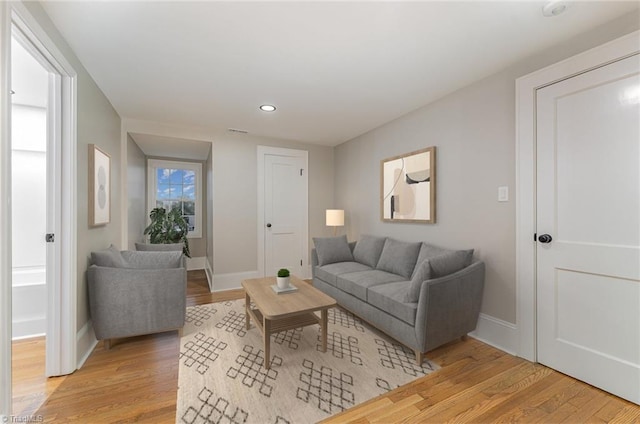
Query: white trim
x=153 y=164
x=268 y=150
x=497 y=333
x=196 y=263
x=86 y=342
x=208 y=270
x=526 y=88
x=62 y=305
x=224 y=282
x=29 y=328
x=5 y=210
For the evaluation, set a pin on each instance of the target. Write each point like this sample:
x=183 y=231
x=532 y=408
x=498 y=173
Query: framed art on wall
x=99 y=187
x=408 y=187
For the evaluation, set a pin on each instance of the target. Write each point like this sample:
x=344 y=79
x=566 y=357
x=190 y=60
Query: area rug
x=222 y=378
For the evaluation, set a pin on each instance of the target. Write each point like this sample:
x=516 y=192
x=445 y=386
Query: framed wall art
x=408 y=187
x=99 y=187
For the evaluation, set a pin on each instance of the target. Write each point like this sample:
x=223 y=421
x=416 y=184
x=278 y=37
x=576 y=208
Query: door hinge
x=50 y=238
x=535 y=237
x=301 y=171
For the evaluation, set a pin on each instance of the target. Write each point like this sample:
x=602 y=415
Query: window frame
x=152 y=186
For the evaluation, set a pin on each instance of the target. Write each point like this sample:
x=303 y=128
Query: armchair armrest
x=449 y=306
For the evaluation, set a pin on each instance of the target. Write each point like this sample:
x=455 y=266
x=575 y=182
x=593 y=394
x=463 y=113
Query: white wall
x=29 y=195
x=474 y=131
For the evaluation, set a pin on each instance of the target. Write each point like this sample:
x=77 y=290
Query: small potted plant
x=283 y=278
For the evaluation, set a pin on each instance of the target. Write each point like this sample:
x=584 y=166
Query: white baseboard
x=28 y=328
x=495 y=332
x=85 y=343
x=223 y=282
x=196 y=263
x=208 y=270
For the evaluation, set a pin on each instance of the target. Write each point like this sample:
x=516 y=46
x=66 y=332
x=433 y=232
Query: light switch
x=503 y=194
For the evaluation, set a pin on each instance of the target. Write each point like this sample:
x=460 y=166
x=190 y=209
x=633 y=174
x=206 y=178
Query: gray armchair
x=135 y=293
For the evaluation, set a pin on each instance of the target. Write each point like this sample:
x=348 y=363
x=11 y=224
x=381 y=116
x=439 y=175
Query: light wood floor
x=137 y=381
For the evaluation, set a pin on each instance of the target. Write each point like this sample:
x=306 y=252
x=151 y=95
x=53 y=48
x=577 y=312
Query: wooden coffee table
x=281 y=312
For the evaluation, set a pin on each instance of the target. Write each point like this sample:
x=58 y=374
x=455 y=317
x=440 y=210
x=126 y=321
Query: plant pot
x=283 y=282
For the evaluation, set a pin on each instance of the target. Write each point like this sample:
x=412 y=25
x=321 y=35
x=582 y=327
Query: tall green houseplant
x=168 y=228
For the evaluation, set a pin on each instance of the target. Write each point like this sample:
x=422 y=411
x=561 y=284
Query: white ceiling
x=171 y=147
x=334 y=70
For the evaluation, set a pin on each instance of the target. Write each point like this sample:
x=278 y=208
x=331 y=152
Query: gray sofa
x=421 y=295
x=134 y=293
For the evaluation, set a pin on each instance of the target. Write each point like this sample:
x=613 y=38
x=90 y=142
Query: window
x=177 y=184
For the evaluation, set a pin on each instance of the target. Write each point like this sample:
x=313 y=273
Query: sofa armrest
x=449 y=306
x=125 y=302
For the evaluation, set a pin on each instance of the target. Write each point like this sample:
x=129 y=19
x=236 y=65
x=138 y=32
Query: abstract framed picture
x=408 y=187
x=99 y=187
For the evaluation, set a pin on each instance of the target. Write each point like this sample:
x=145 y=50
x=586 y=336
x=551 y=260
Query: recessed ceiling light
x=554 y=8
x=267 y=108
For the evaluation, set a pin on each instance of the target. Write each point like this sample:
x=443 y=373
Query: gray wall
x=98 y=123
x=235 y=215
x=136 y=193
x=474 y=131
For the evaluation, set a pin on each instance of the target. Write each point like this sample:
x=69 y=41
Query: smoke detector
x=554 y=8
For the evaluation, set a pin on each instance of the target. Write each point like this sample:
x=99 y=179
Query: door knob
x=545 y=238
x=269 y=225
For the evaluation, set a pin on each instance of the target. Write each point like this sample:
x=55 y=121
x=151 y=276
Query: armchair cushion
x=152 y=260
x=110 y=258
x=146 y=247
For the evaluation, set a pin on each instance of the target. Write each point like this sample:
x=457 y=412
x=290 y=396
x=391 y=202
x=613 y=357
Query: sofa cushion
x=428 y=251
x=421 y=273
x=332 y=249
x=450 y=262
x=390 y=298
x=166 y=247
x=329 y=273
x=110 y=258
x=399 y=257
x=357 y=283
x=152 y=260
x=368 y=250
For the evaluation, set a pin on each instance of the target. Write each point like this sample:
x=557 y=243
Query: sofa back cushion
x=110 y=258
x=399 y=257
x=450 y=262
x=332 y=249
x=445 y=263
x=368 y=250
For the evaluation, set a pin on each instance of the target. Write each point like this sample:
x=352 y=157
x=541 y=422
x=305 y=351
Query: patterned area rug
x=222 y=380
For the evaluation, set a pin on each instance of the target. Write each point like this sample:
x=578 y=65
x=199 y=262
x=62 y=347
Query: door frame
x=526 y=88
x=62 y=292
x=262 y=151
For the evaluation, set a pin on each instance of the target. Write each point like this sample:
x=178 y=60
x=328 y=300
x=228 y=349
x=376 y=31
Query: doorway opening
x=31 y=84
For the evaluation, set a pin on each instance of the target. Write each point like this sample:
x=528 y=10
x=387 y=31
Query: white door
x=588 y=227
x=285 y=211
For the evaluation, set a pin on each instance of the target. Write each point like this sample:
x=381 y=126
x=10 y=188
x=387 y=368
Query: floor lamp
x=335 y=219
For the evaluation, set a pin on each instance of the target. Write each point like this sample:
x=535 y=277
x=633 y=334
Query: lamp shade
x=335 y=217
